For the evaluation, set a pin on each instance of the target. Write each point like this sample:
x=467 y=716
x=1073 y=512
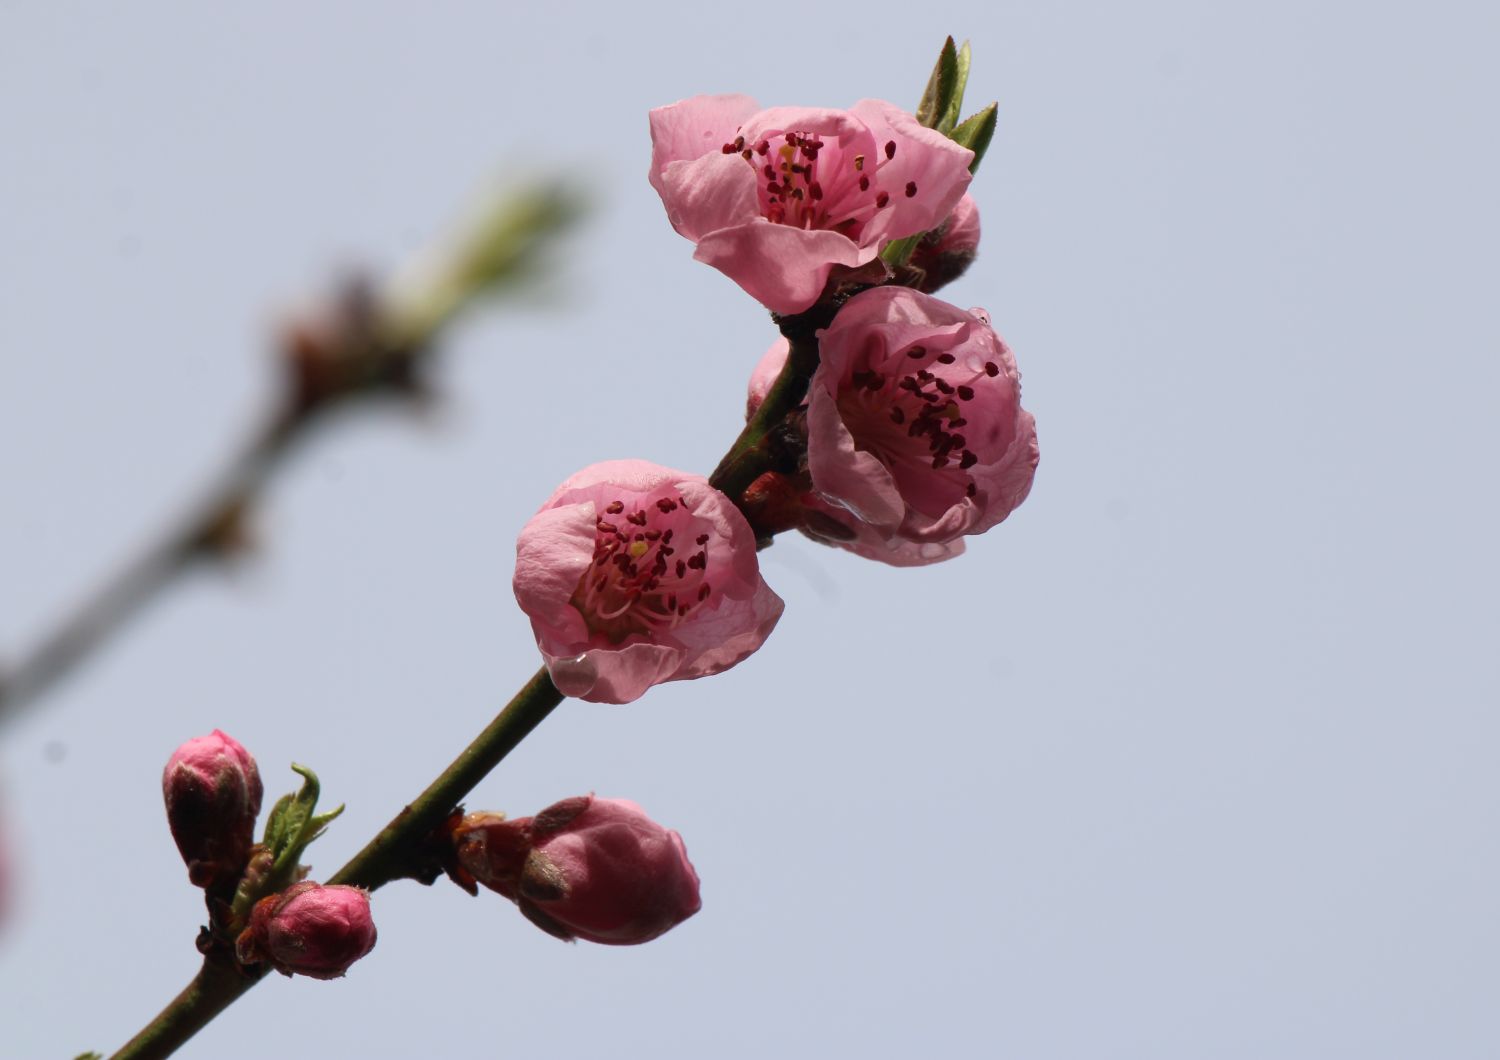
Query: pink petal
x=614 y=675
x=935 y=164
x=853 y=478
x=691 y=128
x=783 y=268
x=709 y=193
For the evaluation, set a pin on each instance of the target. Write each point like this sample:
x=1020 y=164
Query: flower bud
x=945 y=253
x=212 y=791
x=585 y=867
x=309 y=929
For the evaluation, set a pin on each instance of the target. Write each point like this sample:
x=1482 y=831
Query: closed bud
x=309 y=929
x=212 y=791
x=585 y=867
x=945 y=253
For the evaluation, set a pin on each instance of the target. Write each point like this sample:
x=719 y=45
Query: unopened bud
x=585 y=867
x=309 y=929
x=946 y=252
x=212 y=791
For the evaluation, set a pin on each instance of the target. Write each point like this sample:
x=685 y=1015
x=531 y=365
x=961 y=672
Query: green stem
x=213 y=989
x=217 y=984
x=383 y=858
x=396 y=851
x=747 y=459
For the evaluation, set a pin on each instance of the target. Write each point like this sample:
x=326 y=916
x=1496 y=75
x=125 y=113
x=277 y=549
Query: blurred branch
x=360 y=344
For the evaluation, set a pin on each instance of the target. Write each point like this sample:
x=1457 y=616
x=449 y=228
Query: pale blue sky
x=1192 y=757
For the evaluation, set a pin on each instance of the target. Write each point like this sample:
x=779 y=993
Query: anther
x=991 y=369
x=946 y=358
x=881 y=200
x=890 y=149
x=911 y=188
x=966 y=393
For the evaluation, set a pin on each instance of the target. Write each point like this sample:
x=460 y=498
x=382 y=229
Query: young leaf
x=949 y=117
x=976 y=132
x=276 y=823
x=938 y=96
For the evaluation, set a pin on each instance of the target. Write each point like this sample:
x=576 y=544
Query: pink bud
x=946 y=252
x=309 y=929
x=212 y=791
x=585 y=867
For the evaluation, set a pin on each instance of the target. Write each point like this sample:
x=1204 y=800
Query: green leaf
x=938 y=96
x=976 y=133
x=949 y=117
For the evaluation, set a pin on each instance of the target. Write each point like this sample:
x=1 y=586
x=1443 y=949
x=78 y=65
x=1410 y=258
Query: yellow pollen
x=950 y=411
x=638 y=549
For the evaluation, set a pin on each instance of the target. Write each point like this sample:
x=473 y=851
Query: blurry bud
x=500 y=246
x=339 y=347
x=945 y=253
x=212 y=791
x=309 y=929
x=585 y=867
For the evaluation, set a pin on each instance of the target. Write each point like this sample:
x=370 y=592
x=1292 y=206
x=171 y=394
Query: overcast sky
x=1194 y=756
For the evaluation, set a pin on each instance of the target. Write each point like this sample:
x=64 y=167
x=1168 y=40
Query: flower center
x=913 y=421
x=807 y=183
x=636 y=582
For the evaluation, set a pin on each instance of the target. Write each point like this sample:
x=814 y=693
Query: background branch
x=361 y=344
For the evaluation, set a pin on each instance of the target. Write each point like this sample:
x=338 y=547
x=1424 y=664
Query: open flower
x=788 y=501
x=778 y=199
x=914 y=418
x=585 y=867
x=633 y=574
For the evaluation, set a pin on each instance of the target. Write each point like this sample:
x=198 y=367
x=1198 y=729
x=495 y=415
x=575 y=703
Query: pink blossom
x=946 y=252
x=779 y=199
x=212 y=790
x=585 y=867
x=309 y=929
x=634 y=574
x=793 y=502
x=914 y=418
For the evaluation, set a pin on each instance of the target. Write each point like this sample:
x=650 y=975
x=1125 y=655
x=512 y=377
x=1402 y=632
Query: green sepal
x=976 y=133
x=89 y=1056
x=898 y=251
x=937 y=98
